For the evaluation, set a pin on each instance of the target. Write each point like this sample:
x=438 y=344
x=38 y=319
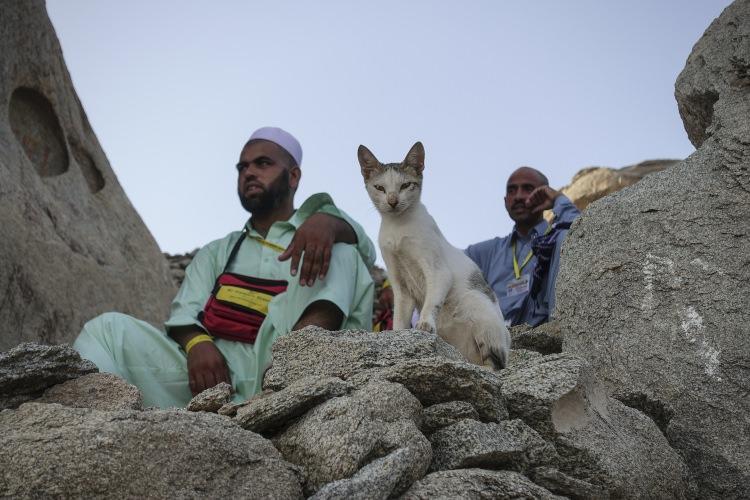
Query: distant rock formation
x=653 y=285
x=592 y=183
x=72 y=244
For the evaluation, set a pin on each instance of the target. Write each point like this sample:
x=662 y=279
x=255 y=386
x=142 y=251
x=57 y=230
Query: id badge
x=518 y=286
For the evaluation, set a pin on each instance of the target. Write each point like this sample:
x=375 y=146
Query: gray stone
x=212 y=399
x=599 y=440
x=509 y=445
x=519 y=357
x=336 y=439
x=98 y=391
x=444 y=414
x=545 y=338
x=314 y=351
x=53 y=451
x=275 y=410
x=440 y=380
x=562 y=484
x=549 y=393
x=73 y=246
x=476 y=484
x=376 y=480
x=652 y=289
x=27 y=370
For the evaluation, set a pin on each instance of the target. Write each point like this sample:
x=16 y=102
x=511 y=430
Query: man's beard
x=269 y=198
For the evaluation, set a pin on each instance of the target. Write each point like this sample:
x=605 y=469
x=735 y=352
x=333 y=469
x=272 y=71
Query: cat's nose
x=392 y=201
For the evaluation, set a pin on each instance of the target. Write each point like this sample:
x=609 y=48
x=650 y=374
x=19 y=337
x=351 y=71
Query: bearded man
x=242 y=292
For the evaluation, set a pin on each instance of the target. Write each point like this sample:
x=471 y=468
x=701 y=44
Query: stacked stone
x=347 y=414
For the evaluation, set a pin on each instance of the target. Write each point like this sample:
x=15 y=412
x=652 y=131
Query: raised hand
x=541 y=199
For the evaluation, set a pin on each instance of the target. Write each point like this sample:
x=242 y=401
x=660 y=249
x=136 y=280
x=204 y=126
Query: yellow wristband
x=386 y=284
x=197 y=340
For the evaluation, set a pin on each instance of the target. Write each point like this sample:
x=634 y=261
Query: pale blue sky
x=174 y=88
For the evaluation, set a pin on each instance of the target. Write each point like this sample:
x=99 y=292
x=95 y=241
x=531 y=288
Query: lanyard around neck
x=518 y=268
x=266 y=243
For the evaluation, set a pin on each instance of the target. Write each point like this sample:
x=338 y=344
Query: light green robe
x=146 y=357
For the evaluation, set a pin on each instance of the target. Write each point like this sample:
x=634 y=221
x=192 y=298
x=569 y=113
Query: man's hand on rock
x=541 y=199
x=206 y=367
x=315 y=238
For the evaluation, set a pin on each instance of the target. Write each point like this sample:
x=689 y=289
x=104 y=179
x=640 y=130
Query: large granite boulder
x=73 y=246
x=48 y=450
x=653 y=282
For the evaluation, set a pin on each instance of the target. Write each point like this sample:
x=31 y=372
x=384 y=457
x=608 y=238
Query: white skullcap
x=282 y=138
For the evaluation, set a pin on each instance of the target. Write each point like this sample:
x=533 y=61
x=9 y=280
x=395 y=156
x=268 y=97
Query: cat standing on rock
x=428 y=273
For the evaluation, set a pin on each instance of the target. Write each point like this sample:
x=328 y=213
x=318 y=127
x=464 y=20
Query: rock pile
x=343 y=415
x=652 y=289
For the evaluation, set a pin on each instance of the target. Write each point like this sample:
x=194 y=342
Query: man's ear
x=415 y=158
x=367 y=162
x=295 y=175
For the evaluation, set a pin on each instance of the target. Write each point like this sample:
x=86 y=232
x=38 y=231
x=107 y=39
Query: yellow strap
x=251 y=299
x=386 y=284
x=516 y=268
x=267 y=243
x=197 y=340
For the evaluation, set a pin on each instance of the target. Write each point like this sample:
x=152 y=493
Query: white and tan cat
x=427 y=272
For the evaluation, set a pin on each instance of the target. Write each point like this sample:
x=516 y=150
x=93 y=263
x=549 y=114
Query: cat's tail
x=498 y=344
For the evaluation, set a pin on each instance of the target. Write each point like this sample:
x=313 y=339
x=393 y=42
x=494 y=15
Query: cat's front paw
x=426 y=326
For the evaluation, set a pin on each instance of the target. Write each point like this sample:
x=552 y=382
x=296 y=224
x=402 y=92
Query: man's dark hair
x=542 y=178
x=290 y=161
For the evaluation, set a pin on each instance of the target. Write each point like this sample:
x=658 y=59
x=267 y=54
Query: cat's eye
x=379 y=188
x=405 y=185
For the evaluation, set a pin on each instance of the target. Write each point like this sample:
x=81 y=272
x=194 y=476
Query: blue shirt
x=495 y=259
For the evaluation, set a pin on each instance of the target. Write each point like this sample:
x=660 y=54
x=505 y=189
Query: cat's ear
x=367 y=162
x=415 y=158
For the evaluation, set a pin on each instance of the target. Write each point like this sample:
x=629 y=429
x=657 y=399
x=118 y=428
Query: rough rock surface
x=436 y=380
x=73 y=246
x=476 y=484
x=274 y=410
x=652 y=288
x=336 y=439
x=47 y=450
x=212 y=399
x=27 y=370
x=376 y=480
x=444 y=414
x=544 y=339
x=314 y=351
x=592 y=183
x=98 y=391
x=599 y=440
x=508 y=445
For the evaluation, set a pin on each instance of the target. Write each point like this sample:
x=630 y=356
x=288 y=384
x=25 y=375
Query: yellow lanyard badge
x=516 y=268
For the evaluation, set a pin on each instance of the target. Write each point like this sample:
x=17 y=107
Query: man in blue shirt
x=522 y=267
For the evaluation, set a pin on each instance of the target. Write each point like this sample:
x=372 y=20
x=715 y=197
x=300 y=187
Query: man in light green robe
x=156 y=362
